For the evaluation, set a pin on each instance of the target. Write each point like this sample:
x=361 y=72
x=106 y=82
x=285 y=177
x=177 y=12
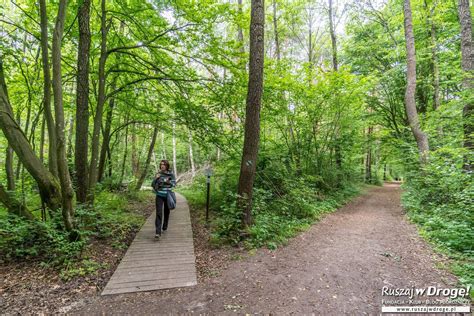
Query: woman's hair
x=167 y=164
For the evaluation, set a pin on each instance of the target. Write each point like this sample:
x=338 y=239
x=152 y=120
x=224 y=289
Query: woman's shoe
x=157 y=236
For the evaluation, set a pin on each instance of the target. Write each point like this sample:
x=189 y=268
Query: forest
x=294 y=106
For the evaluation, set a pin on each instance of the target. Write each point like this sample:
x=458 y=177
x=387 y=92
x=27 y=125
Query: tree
x=47 y=182
x=467 y=62
x=14 y=206
x=67 y=192
x=52 y=156
x=93 y=169
x=410 y=106
x=82 y=102
x=148 y=159
x=333 y=36
x=252 y=118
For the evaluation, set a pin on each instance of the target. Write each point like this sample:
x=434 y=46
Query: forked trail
x=339 y=266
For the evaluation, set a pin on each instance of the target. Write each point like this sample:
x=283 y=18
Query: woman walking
x=164 y=181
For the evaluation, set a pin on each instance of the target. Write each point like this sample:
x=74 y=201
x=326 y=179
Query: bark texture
x=52 y=157
x=82 y=102
x=333 y=37
x=410 y=105
x=252 y=118
x=47 y=183
x=148 y=159
x=9 y=169
x=93 y=170
x=63 y=170
x=467 y=63
x=275 y=29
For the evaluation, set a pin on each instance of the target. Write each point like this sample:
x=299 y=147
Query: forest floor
x=338 y=266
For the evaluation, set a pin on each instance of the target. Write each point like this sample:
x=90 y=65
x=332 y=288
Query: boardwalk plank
x=152 y=265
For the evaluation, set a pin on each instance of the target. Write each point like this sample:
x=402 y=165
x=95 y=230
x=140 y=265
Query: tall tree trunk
x=43 y=130
x=163 y=146
x=148 y=159
x=332 y=32
x=155 y=163
x=252 y=118
x=13 y=205
x=239 y=28
x=69 y=147
x=106 y=142
x=434 y=56
x=410 y=105
x=175 y=168
x=47 y=182
x=63 y=170
x=9 y=169
x=52 y=156
x=82 y=103
x=275 y=29
x=122 y=170
x=93 y=169
x=109 y=162
x=135 y=166
x=191 y=156
x=333 y=37
x=467 y=62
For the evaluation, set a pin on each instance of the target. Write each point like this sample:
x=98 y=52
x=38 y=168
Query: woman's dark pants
x=160 y=222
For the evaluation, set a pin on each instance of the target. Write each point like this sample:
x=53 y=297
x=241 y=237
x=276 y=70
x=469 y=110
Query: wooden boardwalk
x=153 y=265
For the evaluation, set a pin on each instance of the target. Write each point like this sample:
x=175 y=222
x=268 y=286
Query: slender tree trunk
x=434 y=57
x=332 y=32
x=106 y=141
x=47 y=182
x=52 y=156
x=93 y=169
x=368 y=165
x=148 y=159
x=135 y=167
x=18 y=165
x=333 y=37
x=163 y=147
x=122 y=172
x=467 y=62
x=252 y=118
x=109 y=162
x=43 y=131
x=82 y=103
x=410 y=105
x=239 y=29
x=175 y=168
x=13 y=205
x=69 y=147
x=9 y=169
x=275 y=29
x=191 y=156
x=63 y=170
x=155 y=163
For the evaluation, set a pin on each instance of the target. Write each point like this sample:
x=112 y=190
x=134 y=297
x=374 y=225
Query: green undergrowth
x=283 y=206
x=46 y=242
x=438 y=200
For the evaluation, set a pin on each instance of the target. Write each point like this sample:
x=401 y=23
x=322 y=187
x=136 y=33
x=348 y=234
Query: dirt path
x=339 y=266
